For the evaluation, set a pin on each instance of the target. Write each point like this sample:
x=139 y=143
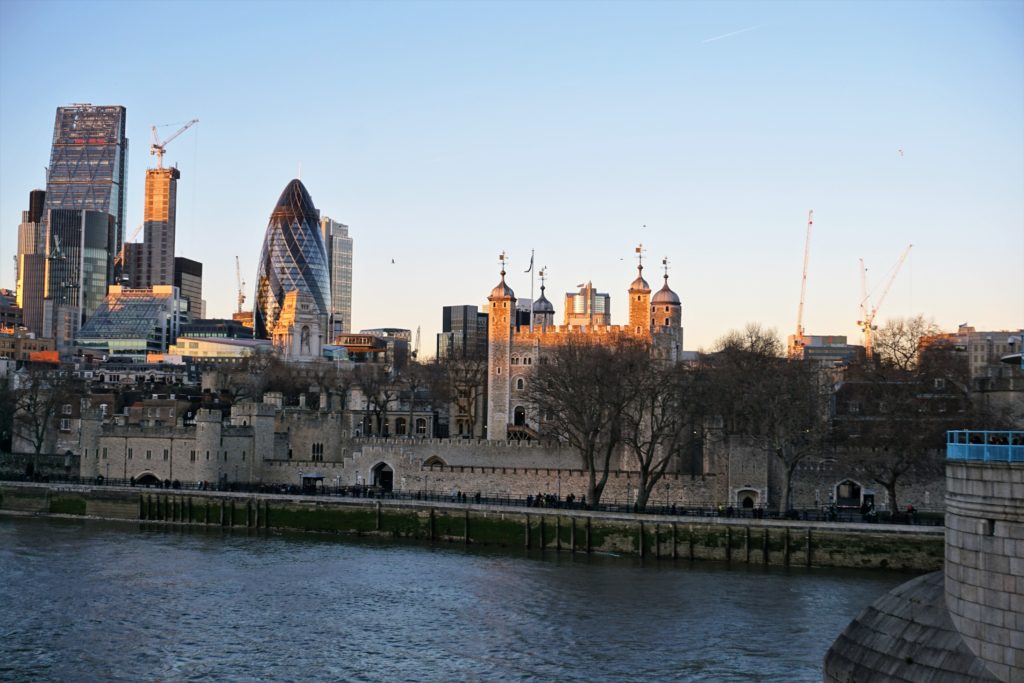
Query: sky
x=444 y=133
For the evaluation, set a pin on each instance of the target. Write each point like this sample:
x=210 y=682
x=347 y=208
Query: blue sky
x=444 y=133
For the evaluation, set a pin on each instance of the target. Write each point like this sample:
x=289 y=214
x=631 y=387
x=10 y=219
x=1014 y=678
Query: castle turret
x=667 y=318
x=640 y=300
x=500 y=311
x=543 y=310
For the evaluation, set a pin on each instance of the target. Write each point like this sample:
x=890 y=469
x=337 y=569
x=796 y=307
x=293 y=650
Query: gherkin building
x=293 y=257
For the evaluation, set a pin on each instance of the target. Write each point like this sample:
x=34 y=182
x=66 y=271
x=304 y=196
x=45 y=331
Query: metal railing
x=541 y=501
x=985 y=445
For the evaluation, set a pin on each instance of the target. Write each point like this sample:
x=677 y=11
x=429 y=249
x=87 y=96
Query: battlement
x=468 y=444
x=560 y=334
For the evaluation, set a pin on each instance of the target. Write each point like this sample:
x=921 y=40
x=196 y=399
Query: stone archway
x=847 y=494
x=383 y=476
x=747 y=499
x=519 y=416
x=147 y=479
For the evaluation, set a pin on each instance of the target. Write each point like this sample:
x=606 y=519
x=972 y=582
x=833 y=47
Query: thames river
x=90 y=601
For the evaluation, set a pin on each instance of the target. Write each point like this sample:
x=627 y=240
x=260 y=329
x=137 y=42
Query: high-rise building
x=463 y=333
x=30 y=264
x=292 y=258
x=159 y=216
x=588 y=307
x=188 y=278
x=338 y=246
x=77 y=266
x=88 y=164
x=134 y=322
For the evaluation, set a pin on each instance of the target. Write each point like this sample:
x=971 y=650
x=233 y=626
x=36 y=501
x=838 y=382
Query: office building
x=88 y=164
x=188 y=278
x=159 y=221
x=588 y=307
x=133 y=323
x=77 y=266
x=338 y=247
x=292 y=259
x=463 y=333
x=30 y=266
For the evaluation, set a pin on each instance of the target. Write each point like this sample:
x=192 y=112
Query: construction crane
x=157 y=147
x=869 y=312
x=119 y=259
x=797 y=344
x=241 y=284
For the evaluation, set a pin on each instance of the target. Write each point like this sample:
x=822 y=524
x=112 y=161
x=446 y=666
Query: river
x=87 y=601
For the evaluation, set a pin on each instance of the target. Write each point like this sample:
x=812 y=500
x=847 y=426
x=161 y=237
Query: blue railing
x=985 y=445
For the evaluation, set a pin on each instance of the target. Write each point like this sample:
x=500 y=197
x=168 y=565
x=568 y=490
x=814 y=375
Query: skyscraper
x=88 y=164
x=188 y=278
x=31 y=260
x=338 y=246
x=159 y=216
x=292 y=258
x=77 y=267
x=463 y=333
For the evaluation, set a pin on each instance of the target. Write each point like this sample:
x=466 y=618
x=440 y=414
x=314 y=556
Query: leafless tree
x=379 y=390
x=40 y=391
x=781 y=405
x=461 y=381
x=897 y=343
x=661 y=421
x=581 y=393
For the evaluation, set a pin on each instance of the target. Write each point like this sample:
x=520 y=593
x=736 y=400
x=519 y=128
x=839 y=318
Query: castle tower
x=667 y=319
x=501 y=311
x=640 y=300
x=543 y=310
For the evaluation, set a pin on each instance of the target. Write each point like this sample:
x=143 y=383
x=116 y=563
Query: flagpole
x=531 y=290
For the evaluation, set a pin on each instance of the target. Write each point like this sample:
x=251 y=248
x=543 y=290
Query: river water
x=88 y=601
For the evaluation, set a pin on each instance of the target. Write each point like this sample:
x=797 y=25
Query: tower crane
x=867 y=311
x=157 y=147
x=796 y=346
x=241 y=285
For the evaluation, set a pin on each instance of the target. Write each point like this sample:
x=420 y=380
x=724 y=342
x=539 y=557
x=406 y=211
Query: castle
x=514 y=350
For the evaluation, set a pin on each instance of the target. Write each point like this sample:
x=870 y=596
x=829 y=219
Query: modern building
x=159 y=221
x=132 y=272
x=588 y=307
x=831 y=349
x=89 y=163
x=292 y=259
x=30 y=266
x=78 y=265
x=338 y=246
x=463 y=333
x=188 y=278
x=216 y=329
x=218 y=350
x=134 y=322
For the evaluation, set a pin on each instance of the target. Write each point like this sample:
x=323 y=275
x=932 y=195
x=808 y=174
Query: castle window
x=65 y=424
x=666 y=309
x=243 y=456
x=421 y=426
x=129 y=454
x=400 y=426
x=192 y=456
x=104 y=453
x=520 y=384
x=666 y=322
x=66 y=409
x=225 y=456
x=499 y=371
x=207 y=455
x=165 y=454
x=149 y=455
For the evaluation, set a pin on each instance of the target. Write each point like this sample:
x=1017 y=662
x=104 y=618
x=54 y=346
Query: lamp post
x=668 y=488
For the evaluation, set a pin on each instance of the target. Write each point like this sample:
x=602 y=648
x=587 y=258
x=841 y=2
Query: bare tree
x=462 y=381
x=659 y=423
x=40 y=392
x=581 y=394
x=781 y=405
x=897 y=343
x=414 y=378
x=379 y=391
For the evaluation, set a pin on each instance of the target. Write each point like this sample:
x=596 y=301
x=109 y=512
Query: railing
x=985 y=445
x=541 y=501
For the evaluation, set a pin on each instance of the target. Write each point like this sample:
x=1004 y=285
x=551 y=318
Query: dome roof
x=542 y=305
x=665 y=295
x=640 y=284
x=296 y=204
x=502 y=291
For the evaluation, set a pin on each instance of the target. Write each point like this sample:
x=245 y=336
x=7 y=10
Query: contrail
x=727 y=35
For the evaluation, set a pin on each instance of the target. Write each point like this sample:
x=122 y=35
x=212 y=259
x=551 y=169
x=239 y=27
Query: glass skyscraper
x=338 y=246
x=292 y=258
x=88 y=163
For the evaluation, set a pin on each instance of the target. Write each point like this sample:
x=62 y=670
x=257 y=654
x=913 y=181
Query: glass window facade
x=88 y=162
x=292 y=258
x=338 y=246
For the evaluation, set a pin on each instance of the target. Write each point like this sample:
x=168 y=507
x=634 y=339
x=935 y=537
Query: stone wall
x=985 y=561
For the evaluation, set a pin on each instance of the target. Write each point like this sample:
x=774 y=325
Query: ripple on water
x=90 y=601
